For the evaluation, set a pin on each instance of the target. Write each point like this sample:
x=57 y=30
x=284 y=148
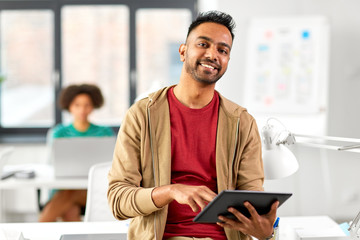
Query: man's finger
x=251 y=210
x=199 y=201
x=193 y=205
x=274 y=206
x=207 y=194
x=229 y=223
x=273 y=209
x=238 y=215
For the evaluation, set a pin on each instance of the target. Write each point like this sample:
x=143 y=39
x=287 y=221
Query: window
x=26 y=47
x=50 y=44
x=157 y=40
x=95 y=46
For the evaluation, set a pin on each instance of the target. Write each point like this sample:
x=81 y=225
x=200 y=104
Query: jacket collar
x=231 y=109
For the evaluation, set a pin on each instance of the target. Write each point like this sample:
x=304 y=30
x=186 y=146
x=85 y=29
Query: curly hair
x=68 y=94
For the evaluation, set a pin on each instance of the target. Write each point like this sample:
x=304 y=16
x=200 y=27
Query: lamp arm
x=350 y=148
x=317 y=145
x=339 y=139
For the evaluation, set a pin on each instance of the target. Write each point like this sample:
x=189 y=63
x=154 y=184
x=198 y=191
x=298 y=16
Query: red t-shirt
x=193 y=142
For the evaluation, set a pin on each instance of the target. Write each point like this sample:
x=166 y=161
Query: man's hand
x=194 y=196
x=259 y=226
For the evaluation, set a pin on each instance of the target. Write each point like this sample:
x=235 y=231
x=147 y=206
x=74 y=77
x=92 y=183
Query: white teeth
x=208 y=66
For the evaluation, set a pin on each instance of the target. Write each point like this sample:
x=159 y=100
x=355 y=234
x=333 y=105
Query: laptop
x=73 y=157
x=97 y=236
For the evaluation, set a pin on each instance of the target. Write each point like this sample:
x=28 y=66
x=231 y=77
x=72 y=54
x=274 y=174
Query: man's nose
x=211 y=53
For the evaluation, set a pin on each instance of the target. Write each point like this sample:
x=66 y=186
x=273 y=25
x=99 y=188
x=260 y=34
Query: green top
x=62 y=131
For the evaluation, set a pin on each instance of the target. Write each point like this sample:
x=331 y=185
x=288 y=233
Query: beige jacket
x=142 y=159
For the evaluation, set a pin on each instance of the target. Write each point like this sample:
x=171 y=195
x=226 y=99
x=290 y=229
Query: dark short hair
x=214 y=17
x=68 y=94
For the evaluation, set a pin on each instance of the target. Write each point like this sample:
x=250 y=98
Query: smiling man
x=183 y=144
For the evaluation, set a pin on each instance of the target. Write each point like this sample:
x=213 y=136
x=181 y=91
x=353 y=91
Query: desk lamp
x=280 y=162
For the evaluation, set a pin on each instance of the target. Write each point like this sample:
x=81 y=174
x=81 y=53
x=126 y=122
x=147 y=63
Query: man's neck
x=193 y=94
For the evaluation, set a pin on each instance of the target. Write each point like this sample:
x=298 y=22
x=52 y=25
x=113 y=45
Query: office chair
x=43 y=193
x=97 y=208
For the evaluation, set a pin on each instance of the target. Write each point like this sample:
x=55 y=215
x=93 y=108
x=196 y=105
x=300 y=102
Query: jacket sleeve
x=250 y=171
x=126 y=197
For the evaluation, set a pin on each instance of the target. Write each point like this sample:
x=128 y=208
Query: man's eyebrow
x=210 y=40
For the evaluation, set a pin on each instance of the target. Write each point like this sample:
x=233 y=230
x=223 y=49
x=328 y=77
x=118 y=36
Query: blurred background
x=296 y=60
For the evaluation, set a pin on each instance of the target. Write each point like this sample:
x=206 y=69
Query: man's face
x=207 y=52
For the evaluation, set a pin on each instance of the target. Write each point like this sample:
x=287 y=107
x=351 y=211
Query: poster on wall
x=287 y=64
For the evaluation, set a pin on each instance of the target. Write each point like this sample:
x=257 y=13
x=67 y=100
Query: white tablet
x=262 y=202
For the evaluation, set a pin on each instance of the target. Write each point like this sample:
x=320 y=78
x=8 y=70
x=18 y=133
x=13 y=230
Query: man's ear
x=182 y=50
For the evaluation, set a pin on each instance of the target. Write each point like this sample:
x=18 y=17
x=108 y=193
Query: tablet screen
x=262 y=202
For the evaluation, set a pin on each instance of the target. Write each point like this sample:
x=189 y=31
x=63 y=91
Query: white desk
x=44 y=178
x=53 y=231
x=310 y=228
x=289 y=227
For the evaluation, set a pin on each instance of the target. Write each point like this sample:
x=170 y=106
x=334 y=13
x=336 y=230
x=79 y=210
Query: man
x=182 y=145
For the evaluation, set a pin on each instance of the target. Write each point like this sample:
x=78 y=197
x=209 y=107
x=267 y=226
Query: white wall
x=323 y=184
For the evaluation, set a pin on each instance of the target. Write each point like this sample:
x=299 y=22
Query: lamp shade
x=279 y=162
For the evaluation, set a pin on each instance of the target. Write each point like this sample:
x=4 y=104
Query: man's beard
x=206 y=80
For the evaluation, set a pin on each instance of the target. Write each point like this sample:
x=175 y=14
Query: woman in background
x=80 y=101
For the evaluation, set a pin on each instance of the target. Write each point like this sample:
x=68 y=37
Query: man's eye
x=202 y=44
x=223 y=51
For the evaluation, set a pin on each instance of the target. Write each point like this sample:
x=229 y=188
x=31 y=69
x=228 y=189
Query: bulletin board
x=287 y=64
